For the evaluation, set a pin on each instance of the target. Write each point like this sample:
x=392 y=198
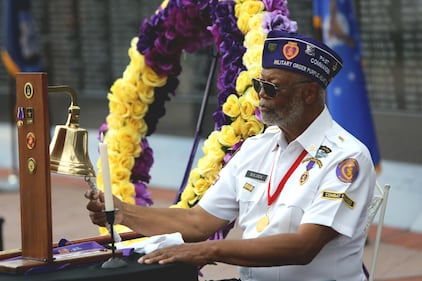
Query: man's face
x=287 y=107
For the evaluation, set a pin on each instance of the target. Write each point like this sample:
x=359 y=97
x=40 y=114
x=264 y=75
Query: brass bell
x=69 y=145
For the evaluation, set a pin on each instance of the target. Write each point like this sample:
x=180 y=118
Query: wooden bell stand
x=35 y=182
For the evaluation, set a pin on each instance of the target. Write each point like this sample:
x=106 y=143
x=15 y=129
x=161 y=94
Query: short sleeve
x=343 y=195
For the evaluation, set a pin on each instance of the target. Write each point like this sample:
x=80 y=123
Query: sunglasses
x=271 y=89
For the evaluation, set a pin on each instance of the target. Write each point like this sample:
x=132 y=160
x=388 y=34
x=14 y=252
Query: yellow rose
x=181 y=204
x=231 y=107
x=116 y=105
x=255 y=22
x=194 y=175
x=237 y=8
x=247 y=108
x=128 y=142
x=122 y=160
x=216 y=155
x=131 y=74
x=209 y=168
x=243 y=81
x=249 y=103
x=136 y=58
x=255 y=70
x=208 y=164
x=211 y=142
x=252 y=57
x=124 y=90
x=145 y=92
x=254 y=39
x=126 y=190
x=112 y=142
x=188 y=194
x=143 y=127
x=201 y=186
x=137 y=126
x=243 y=22
x=228 y=137
x=252 y=7
x=237 y=125
x=119 y=175
x=150 y=78
x=137 y=109
x=252 y=127
x=113 y=120
x=252 y=96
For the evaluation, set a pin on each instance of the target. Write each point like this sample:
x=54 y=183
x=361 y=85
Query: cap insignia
x=290 y=50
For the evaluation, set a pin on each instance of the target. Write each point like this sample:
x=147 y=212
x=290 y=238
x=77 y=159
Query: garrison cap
x=301 y=54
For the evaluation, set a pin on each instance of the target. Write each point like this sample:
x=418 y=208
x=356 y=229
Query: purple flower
x=143 y=164
x=276 y=20
x=273 y=5
x=142 y=197
x=232 y=151
x=258 y=115
x=102 y=131
x=220 y=119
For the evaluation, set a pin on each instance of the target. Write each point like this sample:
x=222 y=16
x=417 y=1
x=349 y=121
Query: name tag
x=256 y=176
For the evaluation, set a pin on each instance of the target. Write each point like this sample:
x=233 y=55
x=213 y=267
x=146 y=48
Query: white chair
x=378 y=203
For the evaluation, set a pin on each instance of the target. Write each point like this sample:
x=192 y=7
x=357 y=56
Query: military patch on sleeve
x=339 y=196
x=348 y=170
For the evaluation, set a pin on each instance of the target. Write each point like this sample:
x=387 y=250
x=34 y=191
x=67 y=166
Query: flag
x=347 y=97
x=20 y=52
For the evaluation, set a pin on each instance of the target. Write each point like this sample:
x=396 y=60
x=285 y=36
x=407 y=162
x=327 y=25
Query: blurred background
x=84 y=44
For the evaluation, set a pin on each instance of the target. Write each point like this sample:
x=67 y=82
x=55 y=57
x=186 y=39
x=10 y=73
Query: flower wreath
x=136 y=100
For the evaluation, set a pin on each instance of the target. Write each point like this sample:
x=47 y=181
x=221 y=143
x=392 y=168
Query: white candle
x=108 y=195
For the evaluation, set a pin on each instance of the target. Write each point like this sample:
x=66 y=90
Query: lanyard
x=273 y=197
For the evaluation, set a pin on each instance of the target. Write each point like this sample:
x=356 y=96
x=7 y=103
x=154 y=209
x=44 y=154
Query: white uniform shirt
x=336 y=193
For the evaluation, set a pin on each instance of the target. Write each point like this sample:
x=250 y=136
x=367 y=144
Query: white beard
x=289 y=116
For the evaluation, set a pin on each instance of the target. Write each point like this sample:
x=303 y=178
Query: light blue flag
x=347 y=97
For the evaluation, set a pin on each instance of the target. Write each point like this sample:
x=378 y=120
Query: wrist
x=120 y=213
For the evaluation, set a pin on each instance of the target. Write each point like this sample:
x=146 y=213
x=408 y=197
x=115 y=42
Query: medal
x=262 y=223
x=265 y=220
x=303 y=178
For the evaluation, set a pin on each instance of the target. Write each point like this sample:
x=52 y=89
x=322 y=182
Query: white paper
x=154 y=242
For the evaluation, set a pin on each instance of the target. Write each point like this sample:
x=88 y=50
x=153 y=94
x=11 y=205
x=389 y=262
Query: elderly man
x=300 y=190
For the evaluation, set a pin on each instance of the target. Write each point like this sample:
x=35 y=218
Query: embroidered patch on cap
x=348 y=170
x=290 y=50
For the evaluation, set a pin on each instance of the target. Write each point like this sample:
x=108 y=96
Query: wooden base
x=12 y=262
x=21 y=265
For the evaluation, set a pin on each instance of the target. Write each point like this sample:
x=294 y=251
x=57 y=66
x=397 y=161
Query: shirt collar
x=312 y=138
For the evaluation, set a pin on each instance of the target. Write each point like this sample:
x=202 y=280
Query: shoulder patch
x=347 y=170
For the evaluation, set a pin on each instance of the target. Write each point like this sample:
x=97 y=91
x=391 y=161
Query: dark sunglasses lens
x=256 y=85
x=269 y=89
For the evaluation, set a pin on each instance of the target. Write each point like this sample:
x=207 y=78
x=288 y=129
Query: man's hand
x=96 y=208
x=192 y=253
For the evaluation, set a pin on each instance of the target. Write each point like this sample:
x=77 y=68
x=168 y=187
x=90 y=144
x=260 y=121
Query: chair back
x=378 y=204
